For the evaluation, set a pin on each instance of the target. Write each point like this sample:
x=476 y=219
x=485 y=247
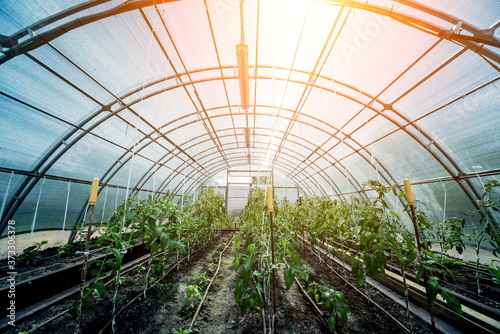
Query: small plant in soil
x=194 y=295
x=32 y=254
x=333 y=301
x=32 y=330
x=63 y=249
x=181 y=330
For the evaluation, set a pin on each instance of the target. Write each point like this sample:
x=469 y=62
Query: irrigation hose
x=210 y=284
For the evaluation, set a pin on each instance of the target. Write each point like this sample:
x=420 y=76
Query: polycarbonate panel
x=165 y=107
x=376 y=128
x=479 y=185
x=318 y=136
x=181 y=135
x=213 y=94
x=404 y=158
x=90 y=157
x=196 y=50
x=361 y=169
x=457 y=125
x=27 y=135
x=9 y=184
x=29 y=12
x=27 y=81
x=117 y=131
x=481 y=13
x=433 y=197
x=57 y=63
x=154 y=151
x=373 y=50
x=127 y=44
x=277 y=93
x=459 y=77
x=51 y=207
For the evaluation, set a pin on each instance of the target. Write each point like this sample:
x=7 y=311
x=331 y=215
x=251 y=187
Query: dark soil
x=50 y=260
x=164 y=309
x=365 y=317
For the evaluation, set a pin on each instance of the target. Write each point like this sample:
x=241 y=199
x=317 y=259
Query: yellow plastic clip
x=93 y=191
x=270 y=198
x=409 y=196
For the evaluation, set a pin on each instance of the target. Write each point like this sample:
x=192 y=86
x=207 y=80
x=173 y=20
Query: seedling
x=194 y=294
x=32 y=254
x=181 y=330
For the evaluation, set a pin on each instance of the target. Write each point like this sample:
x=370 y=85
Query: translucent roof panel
x=146 y=96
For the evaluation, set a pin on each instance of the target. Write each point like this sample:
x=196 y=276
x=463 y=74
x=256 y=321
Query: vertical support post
x=227 y=189
x=409 y=199
x=36 y=211
x=6 y=194
x=92 y=201
x=104 y=204
x=65 y=212
x=117 y=194
x=270 y=209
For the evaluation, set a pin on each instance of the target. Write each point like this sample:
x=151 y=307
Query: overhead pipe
x=242 y=61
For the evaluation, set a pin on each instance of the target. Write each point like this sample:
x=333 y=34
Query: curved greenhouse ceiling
x=146 y=96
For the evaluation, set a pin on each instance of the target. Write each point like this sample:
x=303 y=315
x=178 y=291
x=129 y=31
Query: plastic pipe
x=92 y=201
x=409 y=195
x=242 y=60
x=270 y=198
x=65 y=212
x=93 y=191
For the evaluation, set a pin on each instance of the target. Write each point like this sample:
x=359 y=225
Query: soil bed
x=164 y=309
x=364 y=317
x=96 y=315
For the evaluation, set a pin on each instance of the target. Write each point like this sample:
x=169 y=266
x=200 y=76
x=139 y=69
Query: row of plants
x=370 y=232
x=167 y=229
x=366 y=230
x=254 y=288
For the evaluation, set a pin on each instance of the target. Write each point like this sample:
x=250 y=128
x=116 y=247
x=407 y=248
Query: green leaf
x=432 y=288
x=452 y=302
x=331 y=323
x=100 y=287
x=236 y=262
x=154 y=248
x=159 y=269
x=420 y=272
x=494 y=271
x=344 y=312
x=244 y=305
x=289 y=275
x=329 y=304
x=394 y=214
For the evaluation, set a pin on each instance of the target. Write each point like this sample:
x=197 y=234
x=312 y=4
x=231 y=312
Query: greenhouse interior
x=250 y=166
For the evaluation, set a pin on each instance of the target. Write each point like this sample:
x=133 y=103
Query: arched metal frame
x=469 y=42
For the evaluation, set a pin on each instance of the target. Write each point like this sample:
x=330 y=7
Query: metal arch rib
x=291 y=163
x=45 y=37
x=221 y=167
x=331 y=91
x=198 y=140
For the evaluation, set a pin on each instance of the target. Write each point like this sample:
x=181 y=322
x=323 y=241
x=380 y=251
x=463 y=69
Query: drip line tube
x=210 y=284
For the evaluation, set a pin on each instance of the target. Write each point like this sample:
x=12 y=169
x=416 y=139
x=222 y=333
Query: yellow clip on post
x=270 y=198
x=93 y=191
x=409 y=196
